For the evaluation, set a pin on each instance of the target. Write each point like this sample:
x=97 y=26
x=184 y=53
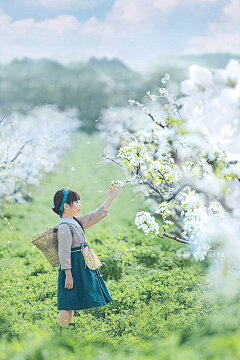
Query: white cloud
x=232 y=9
x=166 y=4
x=136 y=11
x=135 y=31
x=62 y=4
x=223 y=35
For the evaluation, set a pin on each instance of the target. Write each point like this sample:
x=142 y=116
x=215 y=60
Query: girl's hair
x=71 y=197
x=58 y=198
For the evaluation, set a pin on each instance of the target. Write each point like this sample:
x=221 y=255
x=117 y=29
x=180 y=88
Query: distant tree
x=30 y=146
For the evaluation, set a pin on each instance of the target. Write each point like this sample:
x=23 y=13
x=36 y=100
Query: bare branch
x=177 y=161
x=177 y=108
x=151 y=116
x=16 y=156
x=20 y=151
x=174 y=193
x=163 y=178
x=232 y=162
x=179 y=234
x=176 y=219
x=164 y=234
x=2 y=120
x=151 y=185
x=159 y=194
x=116 y=162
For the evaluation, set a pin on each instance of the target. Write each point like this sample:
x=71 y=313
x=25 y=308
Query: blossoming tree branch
x=185 y=158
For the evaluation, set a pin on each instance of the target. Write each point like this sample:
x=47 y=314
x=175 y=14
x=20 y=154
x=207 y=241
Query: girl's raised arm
x=98 y=214
x=93 y=217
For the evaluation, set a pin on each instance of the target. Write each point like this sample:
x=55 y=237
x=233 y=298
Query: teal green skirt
x=89 y=289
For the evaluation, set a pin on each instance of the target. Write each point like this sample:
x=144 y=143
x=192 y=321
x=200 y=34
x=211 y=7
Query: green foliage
x=147 y=256
x=111 y=265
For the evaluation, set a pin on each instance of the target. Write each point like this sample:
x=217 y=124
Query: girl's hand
x=69 y=282
x=112 y=192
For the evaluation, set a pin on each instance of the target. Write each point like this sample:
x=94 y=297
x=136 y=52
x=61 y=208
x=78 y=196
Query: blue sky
x=18 y=11
x=136 y=31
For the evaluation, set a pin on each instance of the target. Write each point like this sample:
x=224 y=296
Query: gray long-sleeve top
x=65 y=239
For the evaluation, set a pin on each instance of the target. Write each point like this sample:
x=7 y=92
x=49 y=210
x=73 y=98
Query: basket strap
x=71 y=228
x=72 y=231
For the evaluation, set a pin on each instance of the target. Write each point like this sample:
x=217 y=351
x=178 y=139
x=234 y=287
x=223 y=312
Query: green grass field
x=163 y=308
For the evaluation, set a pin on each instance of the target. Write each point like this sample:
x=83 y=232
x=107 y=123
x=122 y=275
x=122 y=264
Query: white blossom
x=146 y=222
x=131 y=102
x=134 y=153
x=135 y=180
x=165 y=78
x=119 y=183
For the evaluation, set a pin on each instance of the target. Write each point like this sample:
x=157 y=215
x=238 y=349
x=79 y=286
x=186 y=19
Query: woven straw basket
x=48 y=244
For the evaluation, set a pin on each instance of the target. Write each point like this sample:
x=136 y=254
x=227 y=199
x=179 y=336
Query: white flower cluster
x=165 y=170
x=163 y=91
x=134 y=153
x=131 y=102
x=216 y=210
x=196 y=149
x=136 y=179
x=164 y=209
x=170 y=97
x=197 y=218
x=194 y=223
x=119 y=183
x=146 y=222
x=167 y=223
x=165 y=78
x=107 y=157
x=152 y=96
x=212 y=100
x=202 y=249
x=194 y=219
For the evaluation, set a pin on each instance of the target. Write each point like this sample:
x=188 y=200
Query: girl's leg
x=70 y=315
x=64 y=317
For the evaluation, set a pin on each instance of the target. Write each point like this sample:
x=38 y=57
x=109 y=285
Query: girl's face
x=76 y=207
x=73 y=210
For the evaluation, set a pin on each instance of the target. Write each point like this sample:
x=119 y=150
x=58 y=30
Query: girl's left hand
x=112 y=192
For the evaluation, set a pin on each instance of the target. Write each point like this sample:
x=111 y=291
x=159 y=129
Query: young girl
x=78 y=286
